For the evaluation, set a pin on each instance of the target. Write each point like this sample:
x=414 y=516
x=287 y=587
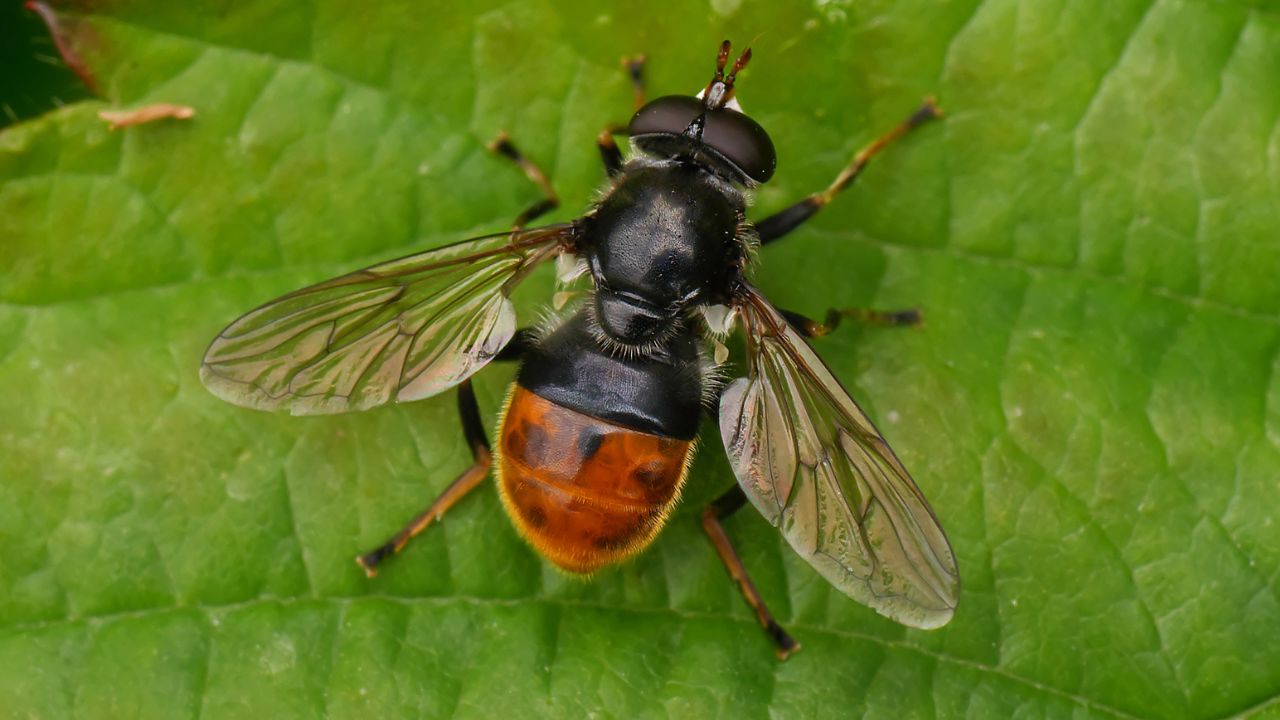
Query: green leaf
x=1093 y=404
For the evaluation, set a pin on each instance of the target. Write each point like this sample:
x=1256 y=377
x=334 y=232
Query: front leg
x=610 y=155
x=503 y=146
x=784 y=221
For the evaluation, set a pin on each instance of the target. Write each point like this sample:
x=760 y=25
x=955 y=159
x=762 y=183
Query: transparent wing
x=403 y=330
x=815 y=466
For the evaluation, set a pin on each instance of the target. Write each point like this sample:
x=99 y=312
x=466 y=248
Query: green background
x=1093 y=404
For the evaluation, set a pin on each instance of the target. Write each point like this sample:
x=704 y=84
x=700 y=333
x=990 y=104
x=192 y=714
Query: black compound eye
x=734 y=136
x=668 y=115
x=742 y=141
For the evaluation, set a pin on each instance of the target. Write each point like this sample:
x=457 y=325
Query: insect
x=596 y=435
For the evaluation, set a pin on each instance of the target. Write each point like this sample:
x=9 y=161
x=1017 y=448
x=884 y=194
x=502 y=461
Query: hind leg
x=723 y=507
x=473 y=429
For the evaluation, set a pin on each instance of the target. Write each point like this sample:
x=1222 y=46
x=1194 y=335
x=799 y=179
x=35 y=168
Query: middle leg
x=811 y=328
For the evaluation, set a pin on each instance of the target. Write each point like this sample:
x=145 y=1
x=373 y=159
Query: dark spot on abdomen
x=610 y=542
x=534 y=515
x=536 y=443
x=624 y=532
x=589 y=443
x=650 y=475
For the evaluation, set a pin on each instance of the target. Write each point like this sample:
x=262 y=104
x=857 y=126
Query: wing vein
x=402 y=330
x=815 y=465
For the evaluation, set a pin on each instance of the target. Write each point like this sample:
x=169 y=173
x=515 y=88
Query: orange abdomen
x=585 y=492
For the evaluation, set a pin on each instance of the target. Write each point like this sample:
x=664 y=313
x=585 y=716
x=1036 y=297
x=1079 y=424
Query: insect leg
x=784 y=221
x=811 y=328
x=473 y=428
x=610 y=155
x=723 y=507
x=550 y=201
x=634 y=66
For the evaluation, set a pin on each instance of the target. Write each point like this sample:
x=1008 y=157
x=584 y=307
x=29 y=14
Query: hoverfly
x=596 y=435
